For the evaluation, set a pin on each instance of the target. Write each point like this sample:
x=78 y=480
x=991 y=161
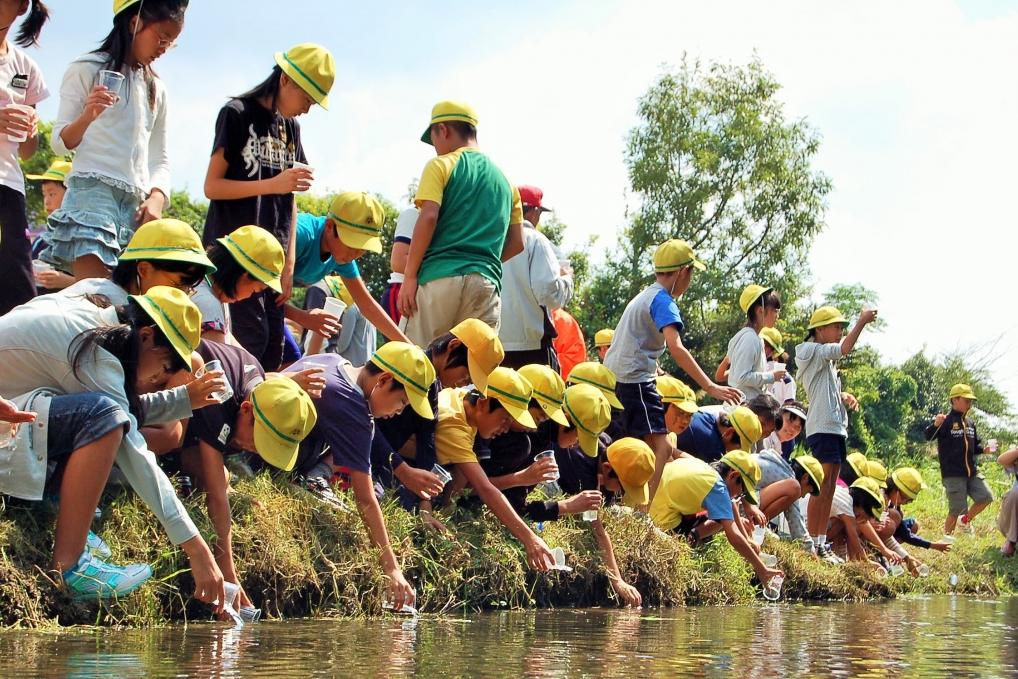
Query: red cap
x=531 y=197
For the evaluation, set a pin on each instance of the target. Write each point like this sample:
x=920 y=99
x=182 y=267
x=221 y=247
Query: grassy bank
x=300 y=558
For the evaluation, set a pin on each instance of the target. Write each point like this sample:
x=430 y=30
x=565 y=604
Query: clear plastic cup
x=780 y=367
x=895 y=569
x=589 y=515
x=388 y=605
x=334 y=306
x=19 y=136
x=772 y=592
x=303 y=166
x=924 y=571
x=991 y=446
x=442 y=473
x=7 y=433
x=560 y=560
x=758 y=535
x=112 y=80
x=948 y=539
x=953 y=580
x=768 y=560
x=545 y=455
x=222 y=395
x=39 y=266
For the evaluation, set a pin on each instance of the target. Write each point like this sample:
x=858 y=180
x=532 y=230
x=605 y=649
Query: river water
x=934 y=637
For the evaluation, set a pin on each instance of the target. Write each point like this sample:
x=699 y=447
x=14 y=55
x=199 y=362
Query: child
x=257 y=164
x=690 y=486
x=783 y=483
x=903 y=486
x=680 y=406
x=121 y=173
x=53 y=189
x=471 y=221
x=861 y=503
x=958 y=446
x=352 y=400
x=784 y=390
x=357 y=337
x=397 y=260
x=464 y=414
x=602 y=341
x=708 y=437
x=793 y=419
x=596 y=375
x=21 y=89
x=748 y=371
x=650 y=323
x=827 y=420
x=83 y=370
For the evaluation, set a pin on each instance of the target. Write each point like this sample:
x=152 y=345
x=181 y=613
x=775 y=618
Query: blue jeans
x=76 y=420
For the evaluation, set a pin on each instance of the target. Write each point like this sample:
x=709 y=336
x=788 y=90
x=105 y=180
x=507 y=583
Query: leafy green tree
x=38 y=164
x=186 y=209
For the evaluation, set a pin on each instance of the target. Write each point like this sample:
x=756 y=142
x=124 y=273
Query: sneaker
x=93 y=578
x=966 y=524
x=98 y=546
x=322 y=491
x=825 y=553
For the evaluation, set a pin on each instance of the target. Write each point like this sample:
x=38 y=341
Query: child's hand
x=407 y=300
x=151 y=208
x=766 y=574
x=200 y=389
x=586 y=501
x=544 y=469
x=310 y=380
x=17 y=122
x=939 y=419
x=850 y=401
x=10 y=413
x=941 y=546
x=321 y=322
x=723 y=393
x=54 y=280
x=867 y=316
x=401 y=593
x=539 y=556
x=420 y=482
x=296 y=179
x=630 y=595
x=99 y=99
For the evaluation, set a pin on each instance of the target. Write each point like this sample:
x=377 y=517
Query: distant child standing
x=827 y=419
x=257 y=164
x=113 y=116
x=21 y=88
x=748 y=372
x=603 y=341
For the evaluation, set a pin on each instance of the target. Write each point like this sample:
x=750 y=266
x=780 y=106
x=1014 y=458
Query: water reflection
x=917 y=637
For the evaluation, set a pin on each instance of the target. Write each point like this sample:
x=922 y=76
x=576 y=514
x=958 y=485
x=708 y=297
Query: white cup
x=772 y=592
x=768 y=560
x=388 y=605
x=948 y=539
x=758 y=535
x=334 y=306
x=442 y=473
x=304 y=166
x=111 y=80
x=222 y=395
x=19 y=136
x=991 y=446
x=895 y=569
x=590 y=515
x=924 y=571
x=544 y=455
x=39 y=266
x=560 y=560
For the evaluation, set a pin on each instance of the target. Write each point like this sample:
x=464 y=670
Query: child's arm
x=286 y=278
x=218 y=187
x=686 y=361
x=81 y=103
x=513 y=242
x=217 y=503
x=629 y=594
x=400 y=591
x=870 y=533
x=544 y=469
x=721 y=374
x=1009 y=458
x=372 y=311
x=866 y=317
x=854 y=544
x=424 y=231
x=743 y=547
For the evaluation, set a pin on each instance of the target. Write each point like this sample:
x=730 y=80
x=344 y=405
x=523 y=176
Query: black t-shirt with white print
x=257 y=144
x=214 y=424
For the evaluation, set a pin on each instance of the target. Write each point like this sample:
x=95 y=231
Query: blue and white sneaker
x=98 y=546
x=93 y=578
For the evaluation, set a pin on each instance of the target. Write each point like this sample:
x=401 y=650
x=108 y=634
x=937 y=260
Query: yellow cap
x=448 y=111
x=589 y=411
x=597 y=375
x=484 y=349
x=814 y=469
x=603 y=338
x=338 y=289
x=167 y=240
x=548 y=390
x=283 y=416
x=513 y=392
x=258 y=252
x=675 y=254
x=409 y=365
x=175 y=315
x=826 y=315
x=857 y=461
x=632 y=460
x=747 y=425
x=56 y=172
x=750 y=295
x=773 y=337
x=749 y=469
x=877 y=471
x=312 y=68
x=120 y=5
x=359 y=219
x=963 y=391
x=674 y=390
x=908 y=480
x=872 y=488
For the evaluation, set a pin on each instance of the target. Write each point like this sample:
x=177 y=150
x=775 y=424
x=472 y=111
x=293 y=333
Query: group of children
x=166 y=350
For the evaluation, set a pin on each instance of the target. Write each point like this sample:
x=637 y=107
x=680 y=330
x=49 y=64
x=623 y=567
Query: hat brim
x=280 y=454
x=419 y=402
x=687 y=407
x=814 y=480
x=554 y=413
x=301 y=80
x=158 y=317
x=426 y=137
x=698 y=265
x=613 y=399
x=162 y=255
x=359 y=241
x=477 y=374
x=252 y=267
x=588 y=442
x=45 y=178
x=751 y=494
x=520 y=413
x=635 y=495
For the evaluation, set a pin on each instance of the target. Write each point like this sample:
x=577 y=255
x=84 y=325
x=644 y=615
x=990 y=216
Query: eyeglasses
x=164 y=43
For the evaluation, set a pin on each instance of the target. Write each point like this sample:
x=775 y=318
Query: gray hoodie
x=819 y=375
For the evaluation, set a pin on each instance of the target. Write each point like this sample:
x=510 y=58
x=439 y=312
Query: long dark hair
x=125 y=273
x=266 y=89
x=124 y=342
x=31 y=27
x=116 y=46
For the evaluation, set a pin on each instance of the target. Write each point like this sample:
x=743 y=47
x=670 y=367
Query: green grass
x=299 y=559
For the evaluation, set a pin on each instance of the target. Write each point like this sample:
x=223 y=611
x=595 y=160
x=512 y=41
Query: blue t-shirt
x=639 y=336
x=702 y=438
x=310 y=267
x=665 y=311
x=718 y=503
x=344 y=423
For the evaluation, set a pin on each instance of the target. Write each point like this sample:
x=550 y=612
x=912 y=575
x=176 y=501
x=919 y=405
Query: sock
x=820 y=541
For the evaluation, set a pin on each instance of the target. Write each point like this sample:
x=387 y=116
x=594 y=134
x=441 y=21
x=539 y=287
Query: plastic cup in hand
x=924 y=571
x=334 y=306
x=758 y=535
x=39 y=266
x=590 y=515
x=388 y=605
x=222 y=395
x=768 y=560
x=548 y=454
x=991 y=446
x=442 y=473
x=772 y=592
x=19 y=136
x=948 y=539
x=7 y=433
x=112 y=80
x=303 y=166
x=560 y=560
x=895 y=569
x=232 y=590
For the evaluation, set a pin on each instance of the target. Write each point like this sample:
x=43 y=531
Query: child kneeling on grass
x=903 y=486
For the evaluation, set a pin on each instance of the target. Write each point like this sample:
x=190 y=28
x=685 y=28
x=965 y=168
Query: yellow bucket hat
x=603 y=338
x=410 y=366
x=548 y=390
x=359 y=219
x=448 y=111
x=338 y=289
x=826 y=315
x=963 y=391
x=120 y=5
x=747 y=425
x=857 y=461
x=674 y=390
x=283 y=417
x=484 y=350
x=814 y=470
x=872 y=488
x=56 y=172
x=312 y=67
x=633 y=461
x=175 y=315
x=750 y=295
x=877 y=471
x=589 y=411
x=908 y=480
x=596 y=375
x=675 y=254
x=773 y=337
x=513 y=392
x=749 y=469
x=258 y=252
x=167 y=240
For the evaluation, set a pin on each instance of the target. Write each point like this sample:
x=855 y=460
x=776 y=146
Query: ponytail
x=31 y=27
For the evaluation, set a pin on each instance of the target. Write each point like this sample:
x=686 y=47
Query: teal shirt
x=310 y=267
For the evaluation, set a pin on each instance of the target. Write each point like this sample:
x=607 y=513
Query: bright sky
x=916 y=103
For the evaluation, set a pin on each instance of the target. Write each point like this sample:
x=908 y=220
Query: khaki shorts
x=444 y=302
x=960 y=488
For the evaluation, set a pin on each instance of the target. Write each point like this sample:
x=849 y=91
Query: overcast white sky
x=915 y=102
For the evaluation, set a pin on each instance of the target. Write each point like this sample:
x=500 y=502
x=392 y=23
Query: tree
x=38 y=164
x=186 y=209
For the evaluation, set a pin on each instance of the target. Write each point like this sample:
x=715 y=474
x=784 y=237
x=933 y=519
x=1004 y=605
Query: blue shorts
x=95 y=218
x=76 y=420
x=642 y=411
x=828 y=448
